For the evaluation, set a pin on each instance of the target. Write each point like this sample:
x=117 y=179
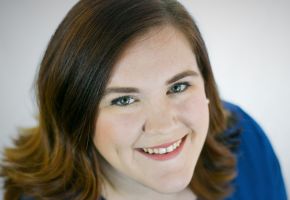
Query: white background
x=248 y=43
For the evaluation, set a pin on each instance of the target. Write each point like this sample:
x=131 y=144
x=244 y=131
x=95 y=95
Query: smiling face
x=153 y=119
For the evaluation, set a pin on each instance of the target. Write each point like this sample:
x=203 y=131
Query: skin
x=157 y=114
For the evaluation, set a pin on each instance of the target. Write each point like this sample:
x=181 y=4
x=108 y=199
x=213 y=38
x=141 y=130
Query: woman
x=129 y=109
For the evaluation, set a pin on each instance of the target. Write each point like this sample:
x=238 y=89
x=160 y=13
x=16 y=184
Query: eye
x=179 y=87
x=122 y=101
x=127 y=100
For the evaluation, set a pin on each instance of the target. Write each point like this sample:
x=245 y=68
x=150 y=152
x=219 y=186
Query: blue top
x=259 y=174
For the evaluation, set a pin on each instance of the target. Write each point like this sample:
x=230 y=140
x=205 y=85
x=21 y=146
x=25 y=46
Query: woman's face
x=154 y=117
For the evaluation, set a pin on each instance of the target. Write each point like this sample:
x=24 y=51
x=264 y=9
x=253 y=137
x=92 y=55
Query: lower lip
x=165 y=156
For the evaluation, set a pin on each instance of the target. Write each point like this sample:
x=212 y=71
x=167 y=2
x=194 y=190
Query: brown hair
x=57 y=159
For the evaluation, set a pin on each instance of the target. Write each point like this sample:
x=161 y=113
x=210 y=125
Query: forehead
x=156 y=56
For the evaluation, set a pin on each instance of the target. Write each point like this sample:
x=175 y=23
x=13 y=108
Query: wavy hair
x=58 y=159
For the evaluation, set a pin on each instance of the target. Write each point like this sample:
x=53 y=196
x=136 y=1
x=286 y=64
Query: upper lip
x=166 y=144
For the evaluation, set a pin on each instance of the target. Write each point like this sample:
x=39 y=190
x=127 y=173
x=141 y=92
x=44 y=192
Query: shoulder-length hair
x=58 y=159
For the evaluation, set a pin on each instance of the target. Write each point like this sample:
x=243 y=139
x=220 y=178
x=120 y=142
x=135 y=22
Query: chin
x=173 y=185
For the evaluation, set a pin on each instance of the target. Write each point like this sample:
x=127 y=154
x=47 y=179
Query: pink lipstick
x=165 y=151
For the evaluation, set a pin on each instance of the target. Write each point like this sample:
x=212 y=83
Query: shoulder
x=251 y=131
x=253 y=140
x=258 y=171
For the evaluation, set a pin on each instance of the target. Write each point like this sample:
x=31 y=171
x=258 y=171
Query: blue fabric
x=259 y=174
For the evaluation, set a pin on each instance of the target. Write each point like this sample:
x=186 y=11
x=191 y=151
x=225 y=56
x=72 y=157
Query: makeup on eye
x=175 y=89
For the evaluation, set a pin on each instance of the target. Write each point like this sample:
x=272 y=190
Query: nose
x=160 y=119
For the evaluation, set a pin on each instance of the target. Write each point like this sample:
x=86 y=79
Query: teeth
x=174 y=145
x=163 y=150
x=169 y=149
x=178 y=142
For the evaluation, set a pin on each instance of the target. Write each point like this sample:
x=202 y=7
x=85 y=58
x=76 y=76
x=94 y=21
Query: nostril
x=160 y=124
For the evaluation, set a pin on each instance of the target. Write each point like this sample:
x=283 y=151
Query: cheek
x=194 y=112
x=115 y=130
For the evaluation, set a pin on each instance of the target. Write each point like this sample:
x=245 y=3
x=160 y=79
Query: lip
x=166 y=156
x=164 y=145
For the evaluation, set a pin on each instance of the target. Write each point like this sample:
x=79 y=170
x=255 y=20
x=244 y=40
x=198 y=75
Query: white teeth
x=163 y=150
x=169 y=149
x=174 y=145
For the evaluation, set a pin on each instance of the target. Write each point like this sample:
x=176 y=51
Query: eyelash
x=117 y=100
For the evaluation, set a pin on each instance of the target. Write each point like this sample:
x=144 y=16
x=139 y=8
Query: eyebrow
x=136 y=90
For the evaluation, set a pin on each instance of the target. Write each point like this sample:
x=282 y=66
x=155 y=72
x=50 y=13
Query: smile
x=165 y=151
